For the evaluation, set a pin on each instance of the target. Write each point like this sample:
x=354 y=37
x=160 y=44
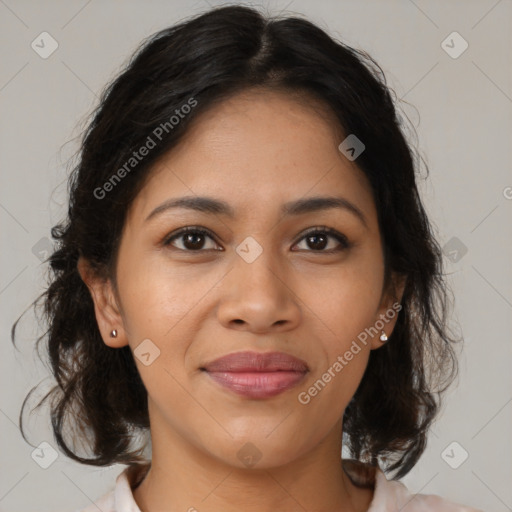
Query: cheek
x=156 y=296
x=346 y=307
x=347 y=298
x=162 y=304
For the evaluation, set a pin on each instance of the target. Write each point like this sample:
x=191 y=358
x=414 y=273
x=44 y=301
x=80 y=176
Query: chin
x=257 y=452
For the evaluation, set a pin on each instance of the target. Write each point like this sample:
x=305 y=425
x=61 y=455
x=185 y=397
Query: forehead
x=257 y=148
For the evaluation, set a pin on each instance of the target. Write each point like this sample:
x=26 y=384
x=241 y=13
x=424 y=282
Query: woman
x=248 y=275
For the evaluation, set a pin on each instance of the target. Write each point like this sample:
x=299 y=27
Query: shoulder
x=393 y=495
x=120 y=497
x=106 y=504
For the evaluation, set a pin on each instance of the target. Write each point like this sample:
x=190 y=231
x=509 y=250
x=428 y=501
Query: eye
x=318 y=239
x=191 y=238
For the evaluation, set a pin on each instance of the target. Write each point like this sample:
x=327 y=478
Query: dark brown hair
x=99 y=394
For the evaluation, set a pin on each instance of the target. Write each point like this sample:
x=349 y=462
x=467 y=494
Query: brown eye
x=191 y=239
x=195 y=239
x=318 y=239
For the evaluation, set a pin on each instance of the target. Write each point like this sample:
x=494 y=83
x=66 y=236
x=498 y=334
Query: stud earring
x=383 y=336
x=113 y=333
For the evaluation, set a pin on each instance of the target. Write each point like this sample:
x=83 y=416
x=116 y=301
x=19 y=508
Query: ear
x=107 y=311
x=387 y=314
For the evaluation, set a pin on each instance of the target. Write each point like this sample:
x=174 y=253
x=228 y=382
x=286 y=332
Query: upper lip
x=256 y=362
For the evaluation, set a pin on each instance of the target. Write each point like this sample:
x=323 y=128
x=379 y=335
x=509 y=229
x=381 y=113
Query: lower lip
x=257 y=384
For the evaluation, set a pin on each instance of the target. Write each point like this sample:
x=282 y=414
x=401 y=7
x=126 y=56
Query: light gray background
x=465 y=109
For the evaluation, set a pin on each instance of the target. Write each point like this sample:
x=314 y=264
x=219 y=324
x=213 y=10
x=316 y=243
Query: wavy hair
x=99 y=394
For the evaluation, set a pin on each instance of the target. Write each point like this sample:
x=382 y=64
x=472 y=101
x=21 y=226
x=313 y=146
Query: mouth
x=257 y=375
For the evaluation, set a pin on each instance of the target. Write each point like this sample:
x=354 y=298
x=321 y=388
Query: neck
x=182 y=477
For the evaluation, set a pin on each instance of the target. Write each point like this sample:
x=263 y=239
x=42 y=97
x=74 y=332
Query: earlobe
x=106 y=309
x=389 y=309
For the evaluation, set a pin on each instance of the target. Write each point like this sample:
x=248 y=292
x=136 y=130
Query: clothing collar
x=386 y=492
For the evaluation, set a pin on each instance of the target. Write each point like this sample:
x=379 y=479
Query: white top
x=389 y=495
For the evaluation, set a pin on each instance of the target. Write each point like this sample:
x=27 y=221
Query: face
x=263 y=274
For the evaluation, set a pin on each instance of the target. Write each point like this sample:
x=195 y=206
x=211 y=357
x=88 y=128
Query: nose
x=259 y=297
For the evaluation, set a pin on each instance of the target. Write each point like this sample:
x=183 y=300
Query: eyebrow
x=298 y=207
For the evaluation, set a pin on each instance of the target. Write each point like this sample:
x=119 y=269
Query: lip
x=257 y=375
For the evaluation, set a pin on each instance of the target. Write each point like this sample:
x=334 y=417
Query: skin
x=256 y=151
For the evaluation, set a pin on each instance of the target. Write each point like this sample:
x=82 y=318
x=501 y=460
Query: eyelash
x=342 y=239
